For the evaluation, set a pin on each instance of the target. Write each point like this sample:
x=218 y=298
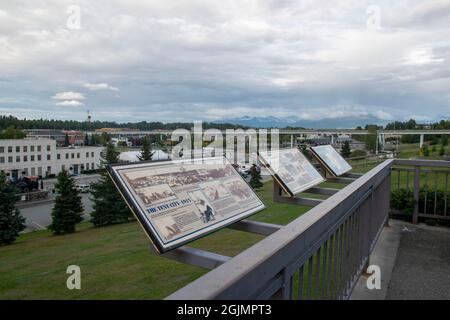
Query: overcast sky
x=206 y=60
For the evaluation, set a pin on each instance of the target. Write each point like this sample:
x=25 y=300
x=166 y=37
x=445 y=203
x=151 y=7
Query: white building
x=132 y=156
x=41 y=157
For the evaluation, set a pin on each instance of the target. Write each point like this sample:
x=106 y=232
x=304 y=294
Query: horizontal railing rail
x=319 y=255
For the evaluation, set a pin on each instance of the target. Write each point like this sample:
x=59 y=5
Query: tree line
x=13 y=122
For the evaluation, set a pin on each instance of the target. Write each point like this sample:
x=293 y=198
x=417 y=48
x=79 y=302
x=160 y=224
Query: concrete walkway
x=414 y=261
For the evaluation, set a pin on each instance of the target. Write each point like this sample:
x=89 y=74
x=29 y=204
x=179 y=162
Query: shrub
x=403 y=201
x=358 y=153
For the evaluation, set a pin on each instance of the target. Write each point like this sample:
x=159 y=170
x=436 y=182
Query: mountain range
x=277 y=122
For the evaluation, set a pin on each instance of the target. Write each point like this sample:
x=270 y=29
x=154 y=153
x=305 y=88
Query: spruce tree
x=442 y=150
x=146 y=150
x=345 y=150
x=109 y=206
x=11 y=221
x=68 y=208
x=255 y=180
x=305 y=152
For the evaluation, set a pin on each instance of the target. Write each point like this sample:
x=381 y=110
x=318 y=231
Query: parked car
x=83 y=188
x=27 y=183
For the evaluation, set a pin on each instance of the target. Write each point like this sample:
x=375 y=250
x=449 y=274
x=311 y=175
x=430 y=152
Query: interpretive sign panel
x=331 y=159
x=181 y=200
x=291 y=169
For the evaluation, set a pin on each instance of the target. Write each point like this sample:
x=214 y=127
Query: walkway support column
x=421 y=141
x=376 y=143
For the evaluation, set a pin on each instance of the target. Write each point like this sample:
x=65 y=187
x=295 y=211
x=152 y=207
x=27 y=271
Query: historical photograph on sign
x=179 y=201
x=291 y=170
x=332 y=160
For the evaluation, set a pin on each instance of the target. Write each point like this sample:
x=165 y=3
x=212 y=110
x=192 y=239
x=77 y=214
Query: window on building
x=49 y=157
x=2 y=149
x=10 y=159
x=39 y=148
x=25 y=148
x=49 y=170
x=32 y=148
x=39 y=171
x=39 y=157
x=87 y=166
x=92 y=154
x=32 y=157
x=67 y=156
x=25 y=158
x=33 y=171
x=63 y=167
x=87 y=154
x=58 y=156
x=17 y=148
x=48 y=147
x=92 y=166
x=72 y=155
x=78 y=155
x=2 y=159
x=17 y=158
x=10 y=149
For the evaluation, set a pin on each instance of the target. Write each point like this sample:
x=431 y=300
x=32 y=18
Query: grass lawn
x=115 y=261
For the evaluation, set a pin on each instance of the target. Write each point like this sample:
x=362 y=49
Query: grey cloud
x=205 y=59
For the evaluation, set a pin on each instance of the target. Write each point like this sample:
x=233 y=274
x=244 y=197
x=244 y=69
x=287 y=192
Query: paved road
x=39 y=217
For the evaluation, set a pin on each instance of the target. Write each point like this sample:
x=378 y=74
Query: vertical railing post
x=415 y=218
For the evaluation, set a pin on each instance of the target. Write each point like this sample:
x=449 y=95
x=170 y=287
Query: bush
x=358 y=153
x=403 y=201
x=426 y=150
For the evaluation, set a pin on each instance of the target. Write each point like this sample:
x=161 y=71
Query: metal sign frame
x=325 y=165
x=275 y=175
x=145 y=222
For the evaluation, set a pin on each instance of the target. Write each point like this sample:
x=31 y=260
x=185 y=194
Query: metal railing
x=319 y=255
x=425 y=187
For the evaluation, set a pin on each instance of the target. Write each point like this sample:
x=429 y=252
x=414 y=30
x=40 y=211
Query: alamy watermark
x=74 y=280
x=238 y=145
x=373 y=21
x=73 y=21
x=374 y=280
